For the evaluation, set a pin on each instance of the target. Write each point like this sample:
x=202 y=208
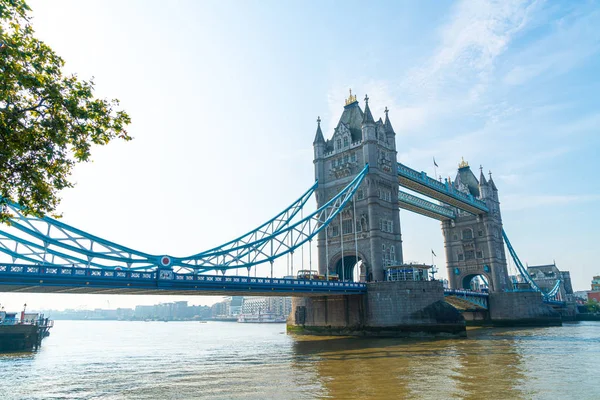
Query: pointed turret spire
x=491 y=182
x=482 y=180
x=388 y=124
x=368 y=117
x=319 y=136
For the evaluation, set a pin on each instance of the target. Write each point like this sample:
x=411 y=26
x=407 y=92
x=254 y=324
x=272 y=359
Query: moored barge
x=24 y=332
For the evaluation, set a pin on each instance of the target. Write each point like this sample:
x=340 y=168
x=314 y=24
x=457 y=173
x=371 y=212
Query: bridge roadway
x=58 y=279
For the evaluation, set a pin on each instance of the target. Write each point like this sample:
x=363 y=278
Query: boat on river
x=22 y=332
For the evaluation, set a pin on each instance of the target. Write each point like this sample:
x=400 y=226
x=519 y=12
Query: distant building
x=546 y=276
x=594 y=294
x=220 y=309
x=235 y=305
x=280 y=306
x=164 y=311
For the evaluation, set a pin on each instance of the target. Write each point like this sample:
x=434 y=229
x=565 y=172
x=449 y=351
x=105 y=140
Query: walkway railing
x=443 y=188
x=444 y=212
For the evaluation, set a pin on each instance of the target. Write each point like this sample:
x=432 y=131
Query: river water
x=227 y=360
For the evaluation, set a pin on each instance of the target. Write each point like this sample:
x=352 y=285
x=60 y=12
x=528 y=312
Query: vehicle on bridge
x=407 y=272
x=314 y=275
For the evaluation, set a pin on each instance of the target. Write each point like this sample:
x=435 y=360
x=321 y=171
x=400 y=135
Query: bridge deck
x=39 y=279
x=467 y=300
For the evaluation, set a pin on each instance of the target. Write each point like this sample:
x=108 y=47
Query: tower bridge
x=356 y=228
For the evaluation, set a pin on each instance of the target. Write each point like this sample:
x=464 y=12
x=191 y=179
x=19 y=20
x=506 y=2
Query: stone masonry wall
x=521 y=308
x=388 y=309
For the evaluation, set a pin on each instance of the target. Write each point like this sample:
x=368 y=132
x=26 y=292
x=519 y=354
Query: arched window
x=346 y=141
x=467 y=233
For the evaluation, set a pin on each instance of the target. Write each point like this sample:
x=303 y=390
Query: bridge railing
x=89 y=273
x=83 y=272
x=476 y=298
x=461 y=292
x=445 y=188
x=424 y=204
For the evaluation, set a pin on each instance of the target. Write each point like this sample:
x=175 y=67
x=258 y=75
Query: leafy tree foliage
x=48 y=121
x=593 y=306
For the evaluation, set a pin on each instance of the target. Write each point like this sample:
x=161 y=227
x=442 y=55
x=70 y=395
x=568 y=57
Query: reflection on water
x=386 y=368
x=186 y=360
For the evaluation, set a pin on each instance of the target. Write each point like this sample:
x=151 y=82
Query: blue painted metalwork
x=548 y=296
x=46 y=241
x=446 y=189
x=53 y=234
x=479 y=299
x=422 y=206
x=48 y=279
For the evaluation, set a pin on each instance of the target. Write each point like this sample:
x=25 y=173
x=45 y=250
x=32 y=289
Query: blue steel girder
x=53 y=279
x=63 y=244
x=477 y=299
x=46 y=241
x=421 y=206
x=280 y=243
x=444 y=192
x=548 y=296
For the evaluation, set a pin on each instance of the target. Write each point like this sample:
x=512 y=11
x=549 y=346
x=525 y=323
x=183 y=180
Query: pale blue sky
x=224 y=96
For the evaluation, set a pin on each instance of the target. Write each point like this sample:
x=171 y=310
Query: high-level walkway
x=444 y=192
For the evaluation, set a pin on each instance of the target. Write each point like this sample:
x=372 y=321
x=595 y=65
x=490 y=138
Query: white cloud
x=477 y=34
x=573 y=39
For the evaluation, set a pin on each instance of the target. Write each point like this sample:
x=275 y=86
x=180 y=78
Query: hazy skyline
x=224 y=98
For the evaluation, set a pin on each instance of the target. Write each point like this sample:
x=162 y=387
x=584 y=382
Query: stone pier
x=389 y=309
x=521 y=309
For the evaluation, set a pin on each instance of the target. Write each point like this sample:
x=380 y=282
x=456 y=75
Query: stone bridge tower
x=474 y=243
x=357 y=140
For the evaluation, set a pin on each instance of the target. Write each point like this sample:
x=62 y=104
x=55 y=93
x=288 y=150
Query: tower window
x=338 y=144
x=469 y=255
x=360 y=194
x=386 y=225
x=385 y=195
x=358 y=226
x=334 y=231
x=346 y=159
x=346 y=142
x=480 y=233
x=480 y=254
x=461 y=257
x=467 y=233
x=353 y=157
x=347 y=226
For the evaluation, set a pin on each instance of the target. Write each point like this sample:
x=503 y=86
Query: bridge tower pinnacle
x=357 y=140
x=474 y=243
